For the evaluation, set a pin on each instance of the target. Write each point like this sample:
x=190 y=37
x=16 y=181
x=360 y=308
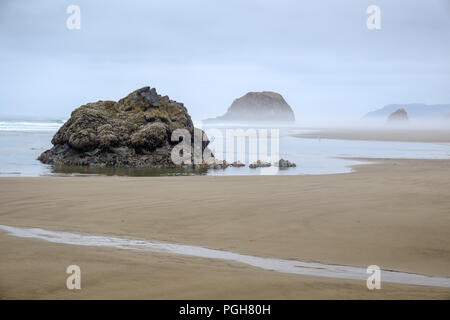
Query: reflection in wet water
x=132 y=172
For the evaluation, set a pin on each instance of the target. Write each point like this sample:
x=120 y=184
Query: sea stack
x=263 y=106
x=134 y=132
x=398 y=115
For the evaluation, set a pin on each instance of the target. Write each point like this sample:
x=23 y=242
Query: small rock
x=237 y=164
x=218 y=164
x=282 y=163
x=260 y=164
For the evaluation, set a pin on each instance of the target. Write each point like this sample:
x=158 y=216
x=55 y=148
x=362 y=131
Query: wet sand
x=381 y=134
x=394 y=213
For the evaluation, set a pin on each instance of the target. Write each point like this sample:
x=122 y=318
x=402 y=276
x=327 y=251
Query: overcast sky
x=318 y=54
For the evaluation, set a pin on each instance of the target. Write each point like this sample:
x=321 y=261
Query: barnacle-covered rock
x=135 y=132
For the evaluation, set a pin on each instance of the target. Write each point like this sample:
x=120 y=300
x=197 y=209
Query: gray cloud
x=319 y=55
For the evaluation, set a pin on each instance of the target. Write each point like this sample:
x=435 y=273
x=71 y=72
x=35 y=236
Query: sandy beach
x=392 y=213
x=381 y=134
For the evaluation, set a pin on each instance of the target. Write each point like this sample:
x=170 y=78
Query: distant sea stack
x=263 y=106
x=398 y=115
x=134 y=132
x=414 y=110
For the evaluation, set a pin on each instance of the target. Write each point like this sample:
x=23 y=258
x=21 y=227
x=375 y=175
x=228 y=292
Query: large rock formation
x=398 y=115
x=133 y=132
x=258 y=106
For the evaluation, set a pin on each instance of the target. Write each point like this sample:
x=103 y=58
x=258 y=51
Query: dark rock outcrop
x=399 y=115
x=282 y=163
x=257 y=106
x=133 y=132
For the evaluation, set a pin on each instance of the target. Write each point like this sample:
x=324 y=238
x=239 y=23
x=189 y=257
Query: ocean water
x=21 y=142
